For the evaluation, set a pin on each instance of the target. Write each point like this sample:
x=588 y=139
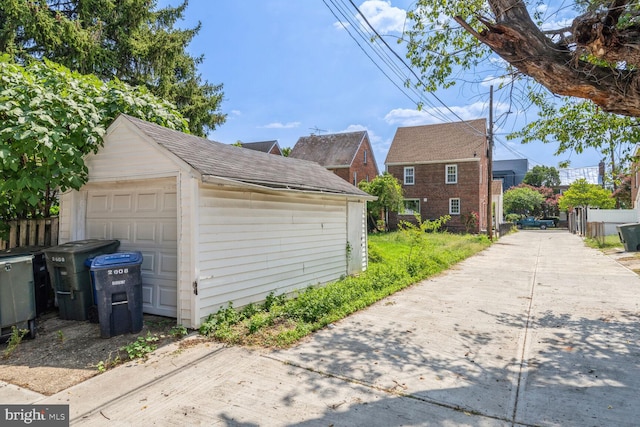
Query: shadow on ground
x=66 y=352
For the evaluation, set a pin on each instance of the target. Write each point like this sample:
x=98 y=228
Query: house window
x=451 y=174
x=355 y=179
x=454 y=206
x=411 y=207
x=409 y=175
x=365 y=157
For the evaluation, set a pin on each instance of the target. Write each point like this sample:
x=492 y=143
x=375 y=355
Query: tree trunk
x=519 y=41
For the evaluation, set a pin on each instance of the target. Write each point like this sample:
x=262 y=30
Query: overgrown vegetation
x=396 y=260
x=610 y=241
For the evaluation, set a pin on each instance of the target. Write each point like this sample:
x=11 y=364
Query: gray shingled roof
x=333 y=150
x=215 y=159
x=439 y=142
x=263 y=146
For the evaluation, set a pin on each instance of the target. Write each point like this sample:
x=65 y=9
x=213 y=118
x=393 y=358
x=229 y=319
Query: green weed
x=141 y=347
x=14 y=340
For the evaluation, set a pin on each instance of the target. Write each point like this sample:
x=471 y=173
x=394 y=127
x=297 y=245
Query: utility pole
x=490 y=168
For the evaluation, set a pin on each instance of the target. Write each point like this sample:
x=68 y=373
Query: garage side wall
x=252 y=244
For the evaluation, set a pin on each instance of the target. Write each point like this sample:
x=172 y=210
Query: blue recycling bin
x=118 y=290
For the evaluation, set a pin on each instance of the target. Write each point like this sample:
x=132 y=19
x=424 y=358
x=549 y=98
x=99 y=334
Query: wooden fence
x=31 y=232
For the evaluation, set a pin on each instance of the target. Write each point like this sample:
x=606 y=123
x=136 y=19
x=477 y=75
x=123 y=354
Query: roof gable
x=439 y=142
x=332 y=150
x=214 y=159
x=263 y=146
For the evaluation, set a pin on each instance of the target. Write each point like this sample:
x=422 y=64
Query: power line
x=397 y=65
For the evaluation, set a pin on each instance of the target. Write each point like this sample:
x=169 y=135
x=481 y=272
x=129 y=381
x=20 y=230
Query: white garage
x=215 y=223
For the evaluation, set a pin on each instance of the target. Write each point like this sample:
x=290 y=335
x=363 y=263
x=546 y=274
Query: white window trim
x=451 y=205
x=404 y=212
x=413 y=175
x=446 y=174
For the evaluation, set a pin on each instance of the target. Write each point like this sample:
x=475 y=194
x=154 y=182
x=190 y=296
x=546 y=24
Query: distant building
x=442 y=169
x=269 y=147
x=349 y=155
x=510 y=172
x=593 y=175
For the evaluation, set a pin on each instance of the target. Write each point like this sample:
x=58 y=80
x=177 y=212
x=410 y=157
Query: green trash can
x=70 y=276
x=629 y=235
x=17 y=294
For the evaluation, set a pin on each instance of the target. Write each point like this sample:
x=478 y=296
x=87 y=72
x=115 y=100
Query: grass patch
x=609 y=242
x=396 y=260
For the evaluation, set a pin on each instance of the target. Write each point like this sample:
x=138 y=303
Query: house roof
x=439 y=142
x=263 y=146
x=217 y=160
x=332 y=150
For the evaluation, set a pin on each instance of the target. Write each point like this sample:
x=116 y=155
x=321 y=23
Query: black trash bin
x=17 y=294
x=118 y=284
x=70 y=275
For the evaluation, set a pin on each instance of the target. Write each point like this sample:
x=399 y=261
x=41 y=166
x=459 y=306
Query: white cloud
x=340 y=25
x=496 y=81
x=278 y=125
x=382 y=16
x=236 y=113
x=427 y=116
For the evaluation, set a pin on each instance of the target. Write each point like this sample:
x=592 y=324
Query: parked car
x=530 y=221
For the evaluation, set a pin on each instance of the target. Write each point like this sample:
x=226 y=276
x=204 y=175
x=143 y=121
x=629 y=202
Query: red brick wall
x=430 y=184
x=362 y=169
x=343 y=173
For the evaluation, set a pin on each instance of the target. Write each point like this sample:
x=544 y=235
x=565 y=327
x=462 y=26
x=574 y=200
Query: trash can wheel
x=32 y=328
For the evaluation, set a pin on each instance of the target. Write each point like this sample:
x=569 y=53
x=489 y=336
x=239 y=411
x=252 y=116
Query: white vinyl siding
x=451 y=174
x=409 y=175
x=127 y=156
x=454 y=206
x=252 y=244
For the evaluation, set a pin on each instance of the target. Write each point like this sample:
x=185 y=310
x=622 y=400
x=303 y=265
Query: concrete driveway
x=536 y=330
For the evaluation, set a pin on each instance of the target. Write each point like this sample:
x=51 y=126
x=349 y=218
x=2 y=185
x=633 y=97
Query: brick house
x=269 y=147
x=349 y=155
x=443 y=171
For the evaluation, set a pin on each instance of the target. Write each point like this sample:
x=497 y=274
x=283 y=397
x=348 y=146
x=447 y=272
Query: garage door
x=143 y=217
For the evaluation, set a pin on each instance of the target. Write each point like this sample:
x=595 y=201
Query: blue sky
x=289 y=69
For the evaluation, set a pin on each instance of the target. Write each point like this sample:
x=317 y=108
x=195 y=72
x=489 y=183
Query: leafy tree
x=286 y=151
x=522 y=200
x=590 y=52
x=594 y=57
x=542 y=176
x=583 y=194
x=51 y=118
x=622 y=192
x=576 y=125
x=129 y=40
x=389 y=193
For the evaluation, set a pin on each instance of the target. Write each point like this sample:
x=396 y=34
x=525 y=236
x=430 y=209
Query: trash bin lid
x=16 y=258
x=22 y=250
x=117 y=259
x=81 y=246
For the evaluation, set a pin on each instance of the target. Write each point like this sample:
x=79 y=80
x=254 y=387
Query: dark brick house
x=443 y=171
x=348 y=155
x=269 y=147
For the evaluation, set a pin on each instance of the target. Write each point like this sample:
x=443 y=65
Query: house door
x=142 y=216
x=356 y=237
